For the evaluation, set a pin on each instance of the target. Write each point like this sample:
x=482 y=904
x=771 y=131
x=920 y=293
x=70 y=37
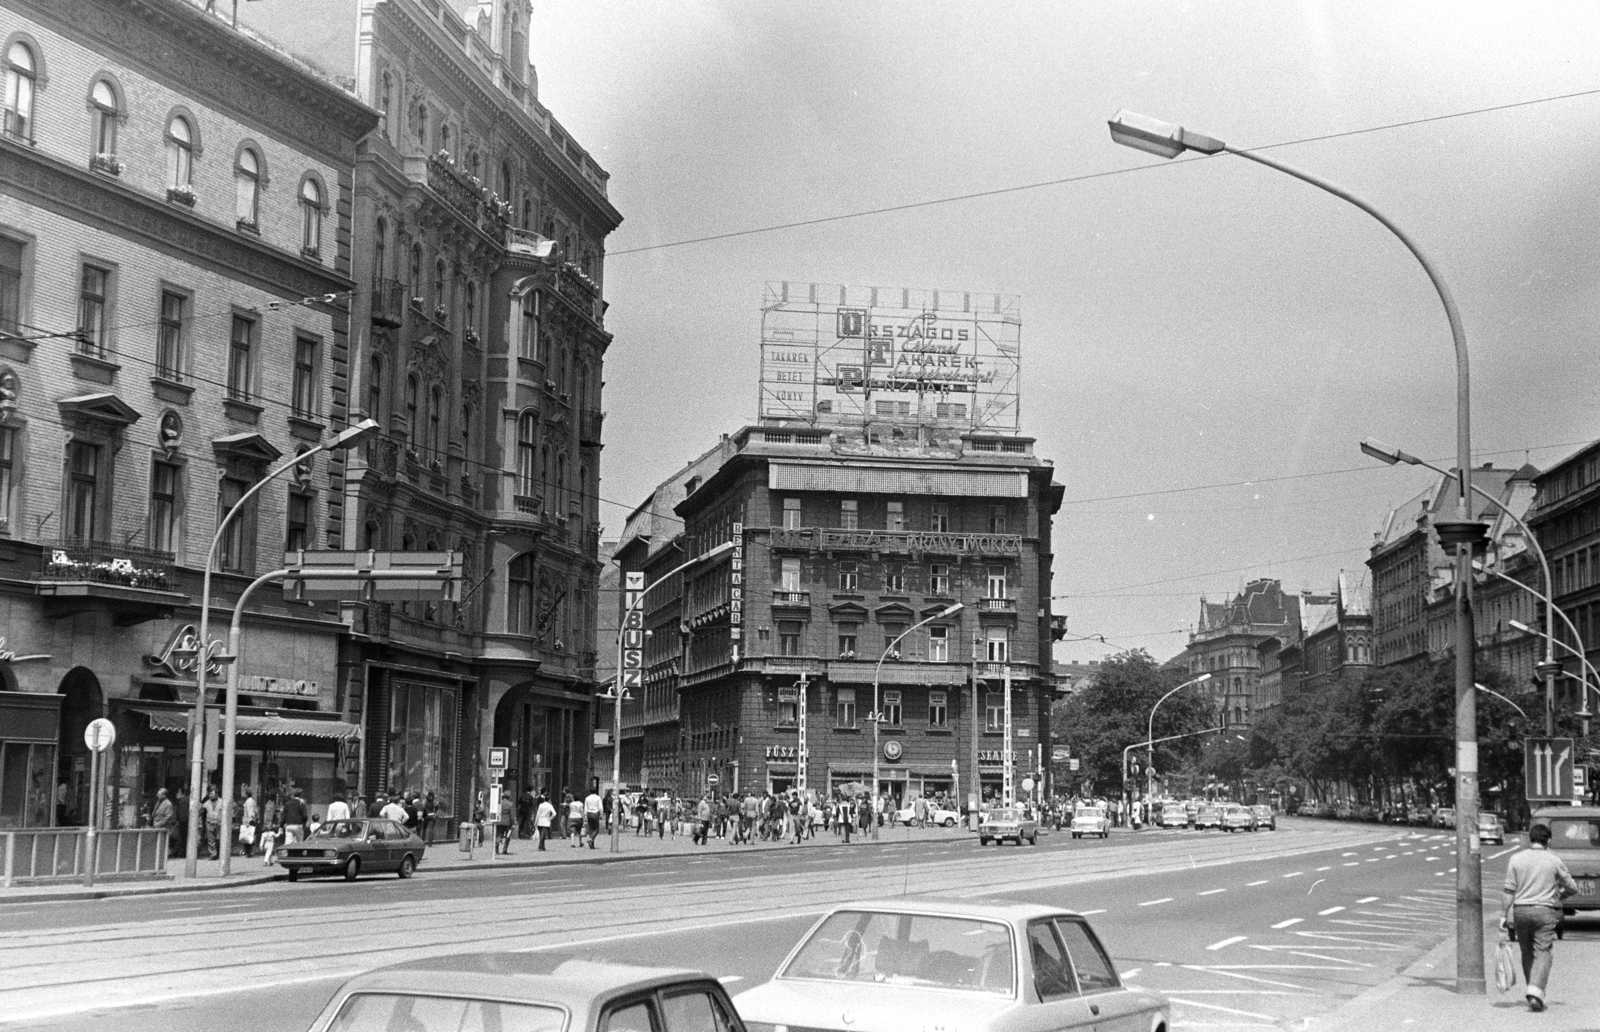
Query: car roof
x=1547 y=812
x=530 y=977
x=940 y=906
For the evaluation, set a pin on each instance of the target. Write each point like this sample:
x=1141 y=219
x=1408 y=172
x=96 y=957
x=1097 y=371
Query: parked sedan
x=1209 y=815
x=1491 y=829
x=1575 y=838
x=913 y=965
x=1238 y=818
x=527 y=992
x=1444 y=817
x=1008 y=823
x=351 y=847
x=1265 y=818
x=936 y=815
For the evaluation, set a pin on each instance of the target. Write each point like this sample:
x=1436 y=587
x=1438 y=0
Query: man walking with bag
x=1536 y=883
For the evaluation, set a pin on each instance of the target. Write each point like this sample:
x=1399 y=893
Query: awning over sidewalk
x=291 y=727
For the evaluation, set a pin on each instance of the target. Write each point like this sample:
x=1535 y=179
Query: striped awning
x=282 y=727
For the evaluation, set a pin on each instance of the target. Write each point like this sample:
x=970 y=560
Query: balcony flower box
x=440 y=313
x=107 y=163
x=183 y=195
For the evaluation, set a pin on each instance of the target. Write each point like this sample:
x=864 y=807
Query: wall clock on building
x=891 y=750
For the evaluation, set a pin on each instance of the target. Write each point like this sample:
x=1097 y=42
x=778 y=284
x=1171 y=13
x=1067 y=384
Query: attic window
x=689 y=488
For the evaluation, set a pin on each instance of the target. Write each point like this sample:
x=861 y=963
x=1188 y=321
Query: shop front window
x=422 y=736
x=25 y=784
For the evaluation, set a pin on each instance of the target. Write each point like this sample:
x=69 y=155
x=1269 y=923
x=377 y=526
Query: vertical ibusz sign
x=853 y=355
x=632 y=672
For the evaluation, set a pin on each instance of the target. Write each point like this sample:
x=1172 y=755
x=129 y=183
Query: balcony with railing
x=791 y=600
x=136 y=584
x=894 y=542
x=997 y=606
x=388 y=302
x=590 y=424
x=467 y=195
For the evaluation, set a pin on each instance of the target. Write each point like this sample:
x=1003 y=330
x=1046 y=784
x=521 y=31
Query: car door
x=1113 y=1007
x=1050 y=987
x=382 y=838
x=698 y=1008
x=632 y=1014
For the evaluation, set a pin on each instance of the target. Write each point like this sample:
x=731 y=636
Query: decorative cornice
x=111 y=207
x=196 y=54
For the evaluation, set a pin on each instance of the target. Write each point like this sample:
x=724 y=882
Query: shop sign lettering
x=783 y=752
x=258 y=685
x=9 y=656
x=180 y=657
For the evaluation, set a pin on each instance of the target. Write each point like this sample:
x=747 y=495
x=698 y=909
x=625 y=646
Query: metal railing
x=38 y=856
x=791 y=598
x=103 y=562
x=388 y=302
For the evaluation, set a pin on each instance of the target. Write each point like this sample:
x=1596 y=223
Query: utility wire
x=1001 y=191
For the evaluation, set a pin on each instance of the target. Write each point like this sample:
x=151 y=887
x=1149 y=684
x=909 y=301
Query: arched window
x=375 y=388
x=416 y=273
x=505 y=181
x=519 y=596
x=444 y=137
x=380 y=252
x=435 y=418
x=107 y=112
x=22 y=80
x=527 y=213
x=469 y=312
x=528 y=454
x=438 y=283
x=311 y=217
x=247 y=188
x=412 y=434
x=180 y=154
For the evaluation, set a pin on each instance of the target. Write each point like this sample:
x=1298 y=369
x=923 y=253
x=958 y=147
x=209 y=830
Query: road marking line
x=1451 y=871
x=1347 y=854
x=1373 y=859
x=1210 y=892
x=1438 y=874
x=1330 y=910
x=1291 y=921
x=1389 y=857
x=1212 y=970
x=1163 y=963
x=1227 y=942
x=1503 y=852
x=1261 y=882
x=1294 y=874
x=1367 y=899
x=1321 y=869
x=1090 y=913
x=1352 y=863
x=1131 y=973
x=1153 y=902
x=1225 y=1010
x=1430 y=859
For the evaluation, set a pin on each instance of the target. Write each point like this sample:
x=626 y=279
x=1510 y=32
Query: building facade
x=842 y=543
x=478 y=342
x=1566 y=517
x=1226 y=644
x=175 y=288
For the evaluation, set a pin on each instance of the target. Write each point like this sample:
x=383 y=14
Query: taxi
x=1208 y=815
x=1238 y=818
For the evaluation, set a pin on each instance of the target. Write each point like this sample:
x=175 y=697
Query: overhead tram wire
x=1085 y=177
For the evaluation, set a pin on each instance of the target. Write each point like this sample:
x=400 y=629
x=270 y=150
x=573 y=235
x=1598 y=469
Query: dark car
x=527 y=992
x=352 y=847
x=1208 y=815
x=1265 y=818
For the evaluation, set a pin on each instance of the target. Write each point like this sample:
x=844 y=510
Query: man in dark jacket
x=293 y=817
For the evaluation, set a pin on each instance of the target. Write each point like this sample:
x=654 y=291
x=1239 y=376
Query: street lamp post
x=1150 y=733
x=617 y=686
x=347 y=438
x=1549 y=668
x=1458 y=536
x=877 y=717
x=1583 y=660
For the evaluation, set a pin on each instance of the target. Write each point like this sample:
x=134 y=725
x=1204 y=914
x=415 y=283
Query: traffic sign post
x=99 y=735
x=1548 y=774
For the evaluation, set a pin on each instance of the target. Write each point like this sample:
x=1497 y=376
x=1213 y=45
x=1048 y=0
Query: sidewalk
x=446 y=857
x=1423 y=996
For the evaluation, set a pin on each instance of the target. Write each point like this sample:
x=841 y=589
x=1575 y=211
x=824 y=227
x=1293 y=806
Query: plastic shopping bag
x=1505 y=965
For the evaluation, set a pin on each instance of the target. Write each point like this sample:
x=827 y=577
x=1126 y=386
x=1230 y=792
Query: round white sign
x=712 y=780
x=99 y=734
x=1027 y=784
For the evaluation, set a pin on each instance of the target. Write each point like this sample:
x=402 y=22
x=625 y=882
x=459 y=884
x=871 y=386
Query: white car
x=1090 y=820
x=936 y=815
x=911 y=965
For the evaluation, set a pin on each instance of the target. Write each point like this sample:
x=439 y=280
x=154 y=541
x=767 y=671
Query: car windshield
x=405 y=1012
x=962 y=953
x=339 y=829
x=1002 y=815
x=1091 y=812
x=1571 y=833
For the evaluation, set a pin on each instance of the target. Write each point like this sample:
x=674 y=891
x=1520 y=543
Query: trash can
x=468 y=833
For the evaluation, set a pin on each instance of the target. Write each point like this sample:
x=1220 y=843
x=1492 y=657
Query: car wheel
x=294 y=875
x=352 y=867
x=1033 y=840
x=983 y=840
x=408 y=866
x=949 y=822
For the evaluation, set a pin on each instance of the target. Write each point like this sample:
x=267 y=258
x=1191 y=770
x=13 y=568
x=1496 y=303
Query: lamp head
x=1163 y=139
x=1202 y=677
x=351 y=436
x=952 y=611
x=1520 y=626
x=1387 y=455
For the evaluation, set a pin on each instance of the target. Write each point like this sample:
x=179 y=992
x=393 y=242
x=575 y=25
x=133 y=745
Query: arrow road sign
x=1547 y=769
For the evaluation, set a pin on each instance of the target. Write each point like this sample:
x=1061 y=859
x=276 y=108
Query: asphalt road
x=1243 y=931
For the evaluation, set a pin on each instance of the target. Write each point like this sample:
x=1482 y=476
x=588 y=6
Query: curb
x=152 y=889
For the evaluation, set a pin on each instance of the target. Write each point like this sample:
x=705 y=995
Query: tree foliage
x=1113 y=712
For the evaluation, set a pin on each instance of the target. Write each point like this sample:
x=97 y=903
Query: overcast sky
x=1187 y=325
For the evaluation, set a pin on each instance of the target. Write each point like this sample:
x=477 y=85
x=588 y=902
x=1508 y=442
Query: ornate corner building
x=478 y=337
